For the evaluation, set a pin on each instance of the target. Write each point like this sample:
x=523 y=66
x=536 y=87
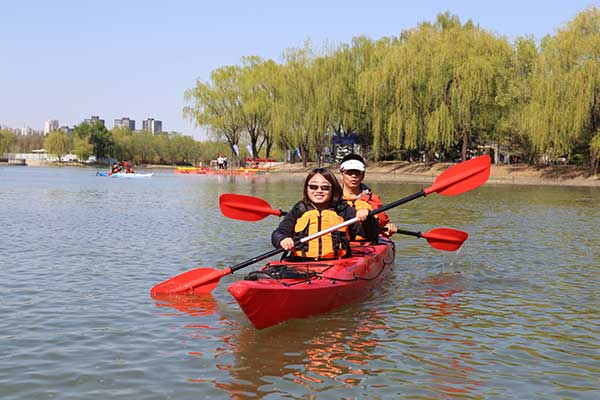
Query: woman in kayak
x=322 y=207
x=116 y=168
x=359 y=195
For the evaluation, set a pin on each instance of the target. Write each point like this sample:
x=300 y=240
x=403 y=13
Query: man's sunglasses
x=325 y=188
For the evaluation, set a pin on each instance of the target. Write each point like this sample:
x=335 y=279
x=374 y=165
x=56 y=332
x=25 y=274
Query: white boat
x=125 y=175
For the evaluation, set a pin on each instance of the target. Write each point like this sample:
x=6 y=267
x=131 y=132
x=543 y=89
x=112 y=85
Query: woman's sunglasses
x=324 y=188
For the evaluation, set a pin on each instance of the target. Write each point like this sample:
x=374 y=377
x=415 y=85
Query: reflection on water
x=452 y=376
x=315 y=355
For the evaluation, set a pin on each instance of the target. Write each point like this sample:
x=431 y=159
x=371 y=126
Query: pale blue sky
x=68 y=60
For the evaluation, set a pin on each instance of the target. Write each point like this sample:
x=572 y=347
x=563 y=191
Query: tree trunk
x=465 y=142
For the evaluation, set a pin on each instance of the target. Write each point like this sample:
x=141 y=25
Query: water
x=513 y=315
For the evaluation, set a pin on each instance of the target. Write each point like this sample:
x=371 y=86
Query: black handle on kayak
x=260 y=258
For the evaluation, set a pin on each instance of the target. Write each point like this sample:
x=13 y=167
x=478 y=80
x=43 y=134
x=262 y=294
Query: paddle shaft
x=409 y=233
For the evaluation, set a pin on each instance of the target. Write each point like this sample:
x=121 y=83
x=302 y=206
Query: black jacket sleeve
x=286 y=226
x=369 y=229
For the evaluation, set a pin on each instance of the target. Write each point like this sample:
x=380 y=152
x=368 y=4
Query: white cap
x=352 y=164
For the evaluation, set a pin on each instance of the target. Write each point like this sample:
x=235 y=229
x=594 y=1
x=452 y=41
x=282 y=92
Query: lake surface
x=513 y=315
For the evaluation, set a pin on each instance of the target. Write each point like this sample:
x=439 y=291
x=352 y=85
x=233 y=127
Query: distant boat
x=125 y=175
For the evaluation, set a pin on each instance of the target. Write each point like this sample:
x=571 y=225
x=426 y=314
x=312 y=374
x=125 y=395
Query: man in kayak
x=128 y=169
x=359 y=195
x=322 y=207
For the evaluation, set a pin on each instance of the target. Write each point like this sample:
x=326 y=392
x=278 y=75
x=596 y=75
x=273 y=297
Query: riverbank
x=516 y=174
x=402 y=171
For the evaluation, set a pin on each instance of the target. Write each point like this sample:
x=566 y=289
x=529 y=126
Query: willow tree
x=256 y=98
x=143 y=147
x=303 y=102
x=123 y=143
x=216 y=104
x=377 y=88
x=349 y=114
x=82 y=148
x=7 y=141
x=439 y=85
x=509 y=130
x=563 y=117
x=57 y=143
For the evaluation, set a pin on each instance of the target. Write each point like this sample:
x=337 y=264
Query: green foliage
x=437 y=89
x=215 y=104
x=7 y=141
x=20 y=143
x=98 y=136
x=595 y=152
x=122 y=139
x=143 y=147
x=82 y=148
x=57 y=143
x=564 y=110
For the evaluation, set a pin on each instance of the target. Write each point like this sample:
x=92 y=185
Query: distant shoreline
x=515 y=174
x=402 y=171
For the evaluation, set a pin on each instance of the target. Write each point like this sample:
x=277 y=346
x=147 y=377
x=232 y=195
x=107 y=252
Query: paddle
x=446 y=239
x=249 y=208
x=246 y=208
x=455 y=180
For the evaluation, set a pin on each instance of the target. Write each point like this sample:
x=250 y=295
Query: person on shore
x=359 y=195
x=322 y=207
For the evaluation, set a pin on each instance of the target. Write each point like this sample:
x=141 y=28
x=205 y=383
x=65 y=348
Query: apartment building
x=152 y=125
x=125 y=122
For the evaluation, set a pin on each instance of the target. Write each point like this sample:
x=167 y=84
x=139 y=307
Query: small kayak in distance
x=124 y=175
x=282 y=290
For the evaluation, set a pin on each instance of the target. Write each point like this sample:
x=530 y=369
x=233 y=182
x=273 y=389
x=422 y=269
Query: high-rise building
x=50 y=125
x=125 y=122
x=152 y=125
x=94 y=119
x=27 y=130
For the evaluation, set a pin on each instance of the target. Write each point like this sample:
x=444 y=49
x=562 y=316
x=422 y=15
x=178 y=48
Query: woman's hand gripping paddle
x=249 y=208
x=455 y=180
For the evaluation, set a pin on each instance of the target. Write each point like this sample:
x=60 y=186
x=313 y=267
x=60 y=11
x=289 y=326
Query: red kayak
x=282 y=290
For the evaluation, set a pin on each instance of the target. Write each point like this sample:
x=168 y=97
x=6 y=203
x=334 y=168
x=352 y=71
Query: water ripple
x=511 y=315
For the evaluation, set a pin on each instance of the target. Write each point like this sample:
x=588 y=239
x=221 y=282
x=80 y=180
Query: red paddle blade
x=462 y=177
x=199 y=280
x=246 y=208
x=445 y=238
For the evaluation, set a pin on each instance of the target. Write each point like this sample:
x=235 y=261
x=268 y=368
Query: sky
x=69 y=60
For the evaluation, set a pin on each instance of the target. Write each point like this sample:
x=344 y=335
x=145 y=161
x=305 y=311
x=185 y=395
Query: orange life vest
x=359 y=204
x=332 y=245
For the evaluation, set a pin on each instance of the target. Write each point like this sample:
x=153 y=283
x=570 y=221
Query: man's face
x=352 y=178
